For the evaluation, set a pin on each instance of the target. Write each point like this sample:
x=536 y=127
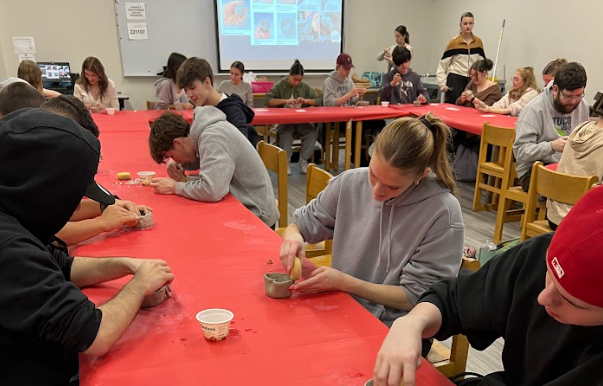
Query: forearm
x=276 y=102
x=343 y=99
x=88 y=209
x=506 y=111
x=426 y=316
x=77 y=231
x=86 y=271
x=388 y=295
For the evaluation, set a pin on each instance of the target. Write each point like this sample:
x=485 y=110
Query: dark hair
x=194 y=69
x=466 y=14
x=296 y=68
x=164 y=130
x=17 y=96
x=404 y=32
x=401 y=55
x=71 y=107
x=553 y=65
x=94 y=65
x=173 y=63
x=482 y=65
x=239 y=66
x=570 y=76
x=415 y=144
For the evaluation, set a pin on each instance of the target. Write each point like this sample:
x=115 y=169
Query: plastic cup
x=146 y=177
x=110 y=111
x=417 y=103
x=384 y=104
x=215 y=323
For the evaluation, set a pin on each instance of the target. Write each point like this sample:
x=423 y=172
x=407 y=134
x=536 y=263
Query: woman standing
x=402 y=38
x=460 y=54
x=167 y=93
x=480 y=89
x=236 y=85
x=524 y=90
x=94 y=88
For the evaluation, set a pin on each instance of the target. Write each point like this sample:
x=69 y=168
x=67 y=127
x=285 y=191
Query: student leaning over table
x=397 y=228
x=45 y=320
x=543 y=297
x=226 y=160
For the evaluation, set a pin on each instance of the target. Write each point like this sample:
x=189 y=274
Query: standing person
x=236 y=85
x=548 y=72
x=401 y=85
x=30 y=72
x=388 y=259
x=167 y=92
x=402 y=38
x=94 y=88
x=46 y=321
x=523 y=91
x=459 y=55
x=288 y=92
x=543 y=297
x=545 y=123
x=480 y=89
x=338 y=88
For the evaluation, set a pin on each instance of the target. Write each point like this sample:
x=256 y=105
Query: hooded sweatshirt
x=284 y=90
x=412 y=240
x=45 y=320
x=228 y=163
x=582 y=156
x=335 y=87
x=539 y=124
x=404 y=92
x=166 y=93
x=240 y=115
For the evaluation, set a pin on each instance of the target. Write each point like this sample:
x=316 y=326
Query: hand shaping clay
x=277 y=285
x=145 y=221
x=155 y=298
x=296 y=271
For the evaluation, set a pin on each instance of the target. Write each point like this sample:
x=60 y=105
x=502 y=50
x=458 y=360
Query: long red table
x=219 y=253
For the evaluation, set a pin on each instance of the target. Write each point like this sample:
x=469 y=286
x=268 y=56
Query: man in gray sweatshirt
x=226 y=160
x=546 y=122
x=338 y=89
x=401 y=85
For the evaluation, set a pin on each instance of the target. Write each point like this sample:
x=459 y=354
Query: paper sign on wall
x=136 y=11
x=23 y=57
x=24 y=45
x=137 y=31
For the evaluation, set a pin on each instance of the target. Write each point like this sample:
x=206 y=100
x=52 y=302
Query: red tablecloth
x=265 y=116
x=219 y=253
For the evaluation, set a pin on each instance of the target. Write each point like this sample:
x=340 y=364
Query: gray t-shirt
x=243 y=90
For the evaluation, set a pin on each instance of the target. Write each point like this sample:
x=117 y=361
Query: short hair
x=239 y=66
x=482 y=65
x=466 y=14
x=570 y=76
x=173 y=64
x=296 y=68
x=164 y=130
x=30 y=72
x=17 y=96
x=401 y=55
x=71 y=107
x=194 y=69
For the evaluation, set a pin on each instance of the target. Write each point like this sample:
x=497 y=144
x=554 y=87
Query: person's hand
x=361 y=91
x=152 y=275
x=290 y=101
x=115 y=216
x=444 y=88
x=132 y=207
x=397 y=79
x=158 y=297
x=292 y=246
x=323 y=279
x=422 y=98
x=480 y=106
x=175 y=170
x=187 y=106
x=165 y=185
x=400 y=354
x=302 y=101
x=559 y=144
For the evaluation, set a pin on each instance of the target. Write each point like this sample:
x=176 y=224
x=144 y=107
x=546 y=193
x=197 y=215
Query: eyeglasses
x=572 y=97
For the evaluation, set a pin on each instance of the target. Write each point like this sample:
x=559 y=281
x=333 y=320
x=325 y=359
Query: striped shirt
x=459 y=57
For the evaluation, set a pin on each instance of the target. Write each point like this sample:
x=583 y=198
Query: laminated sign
x=137 y=31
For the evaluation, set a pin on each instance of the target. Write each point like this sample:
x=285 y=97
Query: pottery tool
x=296 y=270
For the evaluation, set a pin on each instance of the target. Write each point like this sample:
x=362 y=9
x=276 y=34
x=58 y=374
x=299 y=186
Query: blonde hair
x=31 y=73
x=415 y=144
x=529 y=82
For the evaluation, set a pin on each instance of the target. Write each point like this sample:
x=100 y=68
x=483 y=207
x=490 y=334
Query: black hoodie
x=46 y=163
x=240 y=116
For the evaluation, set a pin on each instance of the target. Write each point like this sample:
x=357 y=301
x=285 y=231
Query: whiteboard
x=184 y=26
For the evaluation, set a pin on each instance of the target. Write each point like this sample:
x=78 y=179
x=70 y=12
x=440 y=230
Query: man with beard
x=545 y=124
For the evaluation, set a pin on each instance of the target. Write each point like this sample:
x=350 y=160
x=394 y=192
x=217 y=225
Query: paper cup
x=384 y=104
x=146 y=177
x=110 y=111
x=215 y=323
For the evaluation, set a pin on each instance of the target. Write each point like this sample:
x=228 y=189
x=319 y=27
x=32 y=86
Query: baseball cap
x=345 y=60
x=575 y=254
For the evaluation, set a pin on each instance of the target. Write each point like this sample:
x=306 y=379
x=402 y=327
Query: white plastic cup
x=110 y=111
x=384 y=104
x=146 y=177
x=215 y=323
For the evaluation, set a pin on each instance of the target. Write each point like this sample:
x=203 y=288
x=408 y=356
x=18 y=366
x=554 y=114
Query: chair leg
x=504 y=205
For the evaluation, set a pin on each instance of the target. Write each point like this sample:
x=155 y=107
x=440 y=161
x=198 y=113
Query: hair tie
x=429 y=125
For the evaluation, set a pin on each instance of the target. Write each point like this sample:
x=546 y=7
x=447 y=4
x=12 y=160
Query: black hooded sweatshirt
x=240 y=115
x=500 y=300
x=46 y=163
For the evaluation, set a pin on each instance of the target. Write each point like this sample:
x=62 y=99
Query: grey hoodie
x=412 y=240
x=538 y=125
x=406 y=91
x=166 y=93
x=228 y=163
x=334 y=88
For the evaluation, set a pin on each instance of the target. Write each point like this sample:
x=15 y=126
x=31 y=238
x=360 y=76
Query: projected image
x=235 y=16
x=308 y=26
x=329 y=27
x=286 y=1
x=262 y=28
x=331 y=5
x=263 y=1
x=308 y=5
x=286 y=31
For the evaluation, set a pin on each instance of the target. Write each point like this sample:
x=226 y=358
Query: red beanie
x=575 y=254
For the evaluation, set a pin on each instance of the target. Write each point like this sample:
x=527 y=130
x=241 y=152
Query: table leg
x=348 y=144
x=336 y=147
x=327 y=160
x=358 y=144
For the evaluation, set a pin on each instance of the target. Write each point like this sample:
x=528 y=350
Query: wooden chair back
x=275 y=159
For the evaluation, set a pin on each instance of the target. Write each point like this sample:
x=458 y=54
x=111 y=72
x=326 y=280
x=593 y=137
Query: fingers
x=410 y=370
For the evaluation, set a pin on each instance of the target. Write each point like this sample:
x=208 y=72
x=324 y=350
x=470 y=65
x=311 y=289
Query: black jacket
x=500 y=300
x=240 y=115
x=46 y=162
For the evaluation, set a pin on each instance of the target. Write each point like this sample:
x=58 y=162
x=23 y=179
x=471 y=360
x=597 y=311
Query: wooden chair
x=564 y=188
x=452 y=361
x=151 y=105
x=275 y=159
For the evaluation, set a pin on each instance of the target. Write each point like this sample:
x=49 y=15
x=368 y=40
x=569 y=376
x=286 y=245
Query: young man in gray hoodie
x=227 y=162
x=545 y=123
x=338 y=89
x=401 y=85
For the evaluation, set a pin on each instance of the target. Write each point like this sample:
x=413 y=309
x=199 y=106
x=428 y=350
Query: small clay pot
x=145 y=221
x=277 y=285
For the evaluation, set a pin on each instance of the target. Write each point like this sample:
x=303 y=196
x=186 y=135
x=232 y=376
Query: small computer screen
x=55 y=71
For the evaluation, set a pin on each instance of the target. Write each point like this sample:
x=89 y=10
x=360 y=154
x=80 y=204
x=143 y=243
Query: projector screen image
x=268 y=35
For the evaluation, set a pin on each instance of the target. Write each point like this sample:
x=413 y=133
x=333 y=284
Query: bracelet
x=103 y=207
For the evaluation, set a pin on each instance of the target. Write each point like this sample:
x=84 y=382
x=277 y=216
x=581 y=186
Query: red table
x=219 y=253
